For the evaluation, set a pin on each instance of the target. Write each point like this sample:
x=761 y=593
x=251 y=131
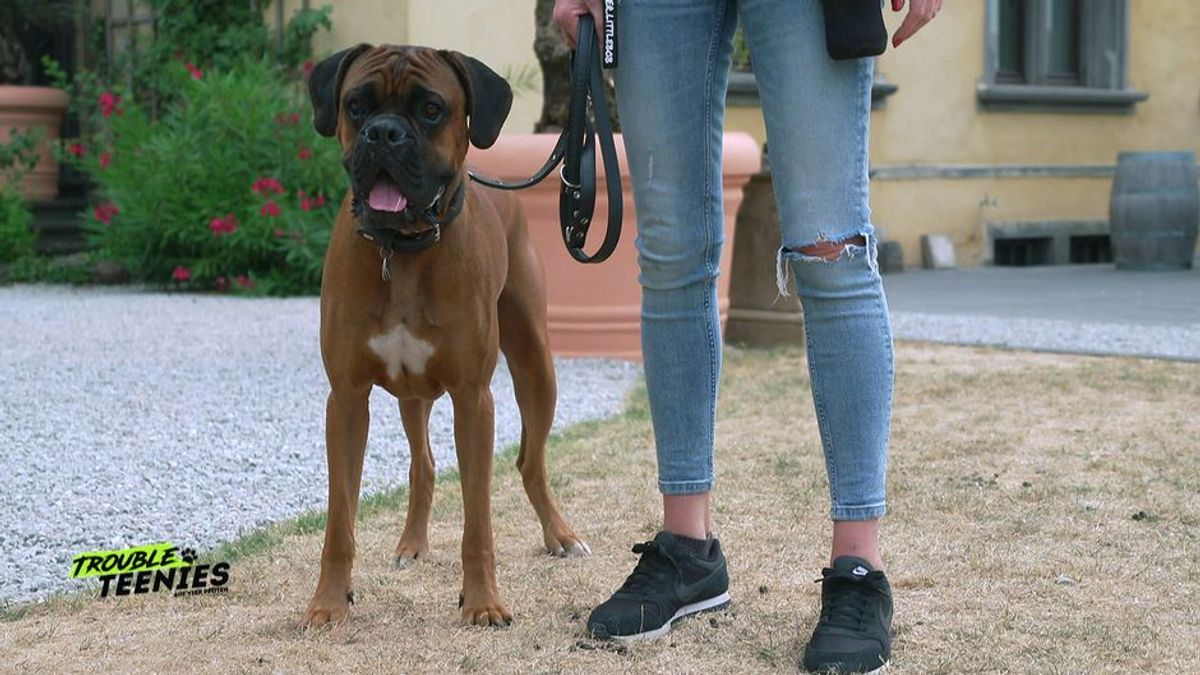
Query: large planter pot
x=25 y=108
x=594 y=310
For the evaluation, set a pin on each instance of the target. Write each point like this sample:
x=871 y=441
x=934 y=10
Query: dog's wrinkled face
x=404 y=116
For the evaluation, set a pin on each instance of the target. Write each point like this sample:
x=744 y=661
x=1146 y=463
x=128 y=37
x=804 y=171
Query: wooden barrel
x=1154 y=211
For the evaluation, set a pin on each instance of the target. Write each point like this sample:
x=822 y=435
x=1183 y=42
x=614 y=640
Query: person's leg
x=817 y=112
x=670 y=92
x=674 y=66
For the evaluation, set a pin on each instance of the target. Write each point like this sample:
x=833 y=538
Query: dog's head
x=404 y=117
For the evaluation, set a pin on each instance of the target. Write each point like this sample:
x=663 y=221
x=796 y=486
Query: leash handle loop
x=576 y=149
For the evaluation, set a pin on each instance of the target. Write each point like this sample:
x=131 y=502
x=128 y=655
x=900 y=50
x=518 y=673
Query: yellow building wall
x=934 y=118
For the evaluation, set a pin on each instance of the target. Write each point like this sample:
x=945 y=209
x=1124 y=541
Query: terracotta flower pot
x=25 y=108
x=594 y=309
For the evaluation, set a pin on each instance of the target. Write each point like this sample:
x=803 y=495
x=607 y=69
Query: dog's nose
x=386 y=131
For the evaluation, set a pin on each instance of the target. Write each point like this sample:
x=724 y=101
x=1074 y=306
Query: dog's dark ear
x=325 y=85
x=489 y=98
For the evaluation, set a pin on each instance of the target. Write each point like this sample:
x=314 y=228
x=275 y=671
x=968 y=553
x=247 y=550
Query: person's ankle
x=859 y=539
x=873 y=558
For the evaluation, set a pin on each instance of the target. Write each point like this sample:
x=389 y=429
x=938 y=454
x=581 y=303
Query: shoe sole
x=876 y=671
x=713 y=604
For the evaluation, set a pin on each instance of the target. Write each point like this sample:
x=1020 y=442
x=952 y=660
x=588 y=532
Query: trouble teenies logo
x=150 y=569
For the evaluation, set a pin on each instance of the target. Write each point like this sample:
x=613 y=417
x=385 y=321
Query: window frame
x=1103 y=74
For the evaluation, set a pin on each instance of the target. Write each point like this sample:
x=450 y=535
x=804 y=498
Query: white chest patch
x=401 y=349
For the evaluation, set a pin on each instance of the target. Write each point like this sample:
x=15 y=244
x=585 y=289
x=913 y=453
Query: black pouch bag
x=854 y=28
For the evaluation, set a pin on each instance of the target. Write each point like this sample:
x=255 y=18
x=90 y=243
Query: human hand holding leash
x=920 y=12
x=567 y=13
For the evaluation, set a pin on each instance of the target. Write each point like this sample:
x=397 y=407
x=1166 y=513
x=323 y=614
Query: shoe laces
x=845 y=599
x=650 y=569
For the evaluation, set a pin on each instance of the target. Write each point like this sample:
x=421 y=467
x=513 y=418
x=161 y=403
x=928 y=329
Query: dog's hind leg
x=414 y=542
x=526 y=348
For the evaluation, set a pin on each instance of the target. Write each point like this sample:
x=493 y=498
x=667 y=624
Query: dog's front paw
x=488 y=612
x=327 y=608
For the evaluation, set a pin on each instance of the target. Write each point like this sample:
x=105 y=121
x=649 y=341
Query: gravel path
x=1084 y=309
x=1052 y=335
x=132 y=417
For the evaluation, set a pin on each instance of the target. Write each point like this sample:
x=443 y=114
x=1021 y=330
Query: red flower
x=226 y=225
x=77 y=149
x=244 y=281
x=320 y=201
x=105 y=212
x=308 y=68
x=264 y=186
x=196 y=72
x=105 y=159
x=181 y=273
x=270 y=208
x=109 y=103
x=287 y=119
x=305 y=154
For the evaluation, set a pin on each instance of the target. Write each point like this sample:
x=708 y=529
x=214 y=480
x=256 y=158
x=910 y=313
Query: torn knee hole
x=827 y=250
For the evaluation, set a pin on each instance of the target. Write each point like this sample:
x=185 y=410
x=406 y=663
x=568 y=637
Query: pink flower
x=105 y=212
x=244 y=281
x=196 y=72
x=181 y=273
x=264 y=186
x=221 y=284
x=108 y=103
x=280 y=233
x=105 y=159
x=320 y=201
x=308 y=68
x=77 y=149
x=226 y=225
x=270 y=208
x=305 y=154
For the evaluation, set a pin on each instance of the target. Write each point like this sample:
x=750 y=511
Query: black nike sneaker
x=671 y=581
x=854 y=633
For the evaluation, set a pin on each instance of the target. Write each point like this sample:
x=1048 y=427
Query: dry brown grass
x=1011 y=473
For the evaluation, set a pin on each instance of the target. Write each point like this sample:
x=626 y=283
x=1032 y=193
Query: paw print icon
x=188 y=555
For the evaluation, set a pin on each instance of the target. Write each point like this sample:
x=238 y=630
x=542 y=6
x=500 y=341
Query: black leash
x=577 y=146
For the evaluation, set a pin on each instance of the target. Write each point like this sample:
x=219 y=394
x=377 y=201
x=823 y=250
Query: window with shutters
x=1059 y=55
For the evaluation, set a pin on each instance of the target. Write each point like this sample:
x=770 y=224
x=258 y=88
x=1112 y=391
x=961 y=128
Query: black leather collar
x=392 y=241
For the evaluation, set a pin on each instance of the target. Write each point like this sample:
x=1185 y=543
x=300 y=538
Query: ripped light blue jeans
x=675 y=58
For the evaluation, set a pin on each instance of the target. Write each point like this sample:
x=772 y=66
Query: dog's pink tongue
x=385 y=196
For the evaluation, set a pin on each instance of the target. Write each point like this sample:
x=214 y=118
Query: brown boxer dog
x=427 y=278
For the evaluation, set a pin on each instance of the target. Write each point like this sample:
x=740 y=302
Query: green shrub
x=18 y=156
x=229 y=189
x=16 y=237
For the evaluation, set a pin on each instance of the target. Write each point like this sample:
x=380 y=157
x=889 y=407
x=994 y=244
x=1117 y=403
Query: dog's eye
x=356 y=108
x=431 y=111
